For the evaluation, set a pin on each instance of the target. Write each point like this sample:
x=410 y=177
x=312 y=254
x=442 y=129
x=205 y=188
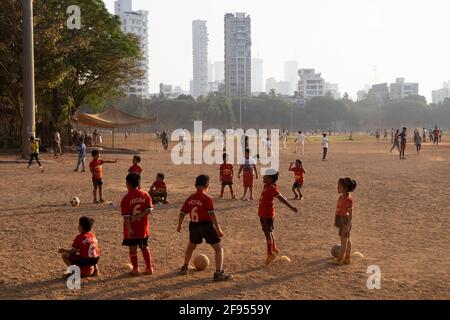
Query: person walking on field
x=436 y=133
x=325 y=145
x=57 y=143
x=418 y=141
x=396 y=139
x=301 y=142
x=403 y=136
x=424 y=135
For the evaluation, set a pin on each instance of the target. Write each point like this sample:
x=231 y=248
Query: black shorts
x=267 y=224
x=97 y=182
x=203 y=230
x=141 y=243
x=344 y=226
x=76 y=260
x=297 y=185
x=227 y=183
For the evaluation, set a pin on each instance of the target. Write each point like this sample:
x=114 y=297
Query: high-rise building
x=271 y=84
x=238 y=46
x=332 y=89
x=200 y=57
x=284 y=88
x=401 y=89
x=380 y=93
x=135 y=22
x=210 y=72
x=257 y=75
x=311 y=84
x=438 y=96
x=219 y=71
x=291 y=75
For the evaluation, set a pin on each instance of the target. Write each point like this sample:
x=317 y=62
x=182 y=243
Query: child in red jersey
x=266 y=212
x=158 y=190
x=135 y=206
x=85 y=252
x=343 y=218
x=226 y=176
x=299 y=173
x=136 y=168
x=97 y=174
x=203 y=225
x=249 y=169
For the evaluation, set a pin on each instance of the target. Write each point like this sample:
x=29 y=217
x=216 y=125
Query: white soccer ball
x=75 y=202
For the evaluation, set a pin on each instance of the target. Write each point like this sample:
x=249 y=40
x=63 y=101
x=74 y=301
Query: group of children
x=137 y=204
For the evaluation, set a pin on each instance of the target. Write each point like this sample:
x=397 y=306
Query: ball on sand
x=75 y=202
x=127 y=266
x=285 y=259
x=201 y=262
x=336 y=251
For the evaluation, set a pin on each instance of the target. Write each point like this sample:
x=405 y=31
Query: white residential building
x=136 y=22
x=219 y=71
x=311 y=84
x=200 y=58
x=284 y=88
x=438 y=96
x=401 y=89
x=333 y=90
x=291 y=75
x=257 y=75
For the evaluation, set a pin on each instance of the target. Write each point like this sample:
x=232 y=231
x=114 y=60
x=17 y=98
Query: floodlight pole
x=29 y=107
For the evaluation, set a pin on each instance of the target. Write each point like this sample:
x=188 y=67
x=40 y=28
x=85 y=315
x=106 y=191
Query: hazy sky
x=343 y=39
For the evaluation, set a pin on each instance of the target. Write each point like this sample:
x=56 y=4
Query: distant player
x=136 y=168
x=403 y=136
x=418 y=141
x=85 y=252
x=343 y=219
x=266 y=212
x=396 y=139
x=249 y=171
x=81 y=155
x=96 y=167
x=299 y=173
x=283 y=138
x=158 y=190
x=135 y=207
x=424 y=138
x=226 y=176
x=301 y=142
x=436 y=134
x=325 y=145
x=203 y=225
x=34 y=146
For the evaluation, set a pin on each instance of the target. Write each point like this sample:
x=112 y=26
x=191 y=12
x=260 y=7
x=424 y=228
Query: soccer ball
x=336 y=251
x=201 y=262
x=75 y=202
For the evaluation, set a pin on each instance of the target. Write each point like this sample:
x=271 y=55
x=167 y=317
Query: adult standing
x=95 y=138
x=325 y=145
x=403 y=136
x=57 y=143
x=165 y=140
x=301 y=142
x=81 y=156
x=396 y=142
x=436 y=136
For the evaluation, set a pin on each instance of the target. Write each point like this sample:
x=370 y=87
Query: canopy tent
x=110 y=119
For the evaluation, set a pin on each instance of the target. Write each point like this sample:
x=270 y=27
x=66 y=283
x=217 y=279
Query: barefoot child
x=203 y=225
x=97 y=175
x=249 y=169
x=135 y=206
x=299 y=173
x=158 y=190
x=266 y=212
x=226 y=176
x=343 y=218
x=136 y=168
x=85 y=252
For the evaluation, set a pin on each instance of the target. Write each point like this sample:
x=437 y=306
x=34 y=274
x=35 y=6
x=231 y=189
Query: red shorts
x=248 y=180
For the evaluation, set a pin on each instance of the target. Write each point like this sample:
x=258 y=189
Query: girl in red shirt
x=343 y=218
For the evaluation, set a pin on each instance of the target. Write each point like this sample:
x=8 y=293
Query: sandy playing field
x=401 y=224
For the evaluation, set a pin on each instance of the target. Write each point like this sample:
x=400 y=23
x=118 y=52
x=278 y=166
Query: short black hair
x=31 y=138
x=348 y=184
x=86 y=223
x=160 y=175
x=202 y=181
x=138 y=158
x=273 y=174
x=300 y=161
x=224 y=156
x=134 y=180
x=95 y=152
x=247 y=150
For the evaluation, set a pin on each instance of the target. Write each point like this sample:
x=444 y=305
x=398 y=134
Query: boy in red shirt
x=299 y=173
x=85 y=252
x=97 y=174
x=135 y=206
x=250 y=170
x=266 y=212
x=136 y=168
x=203 y=225
x=226 y=176
x=158 y=190
x=343 y=218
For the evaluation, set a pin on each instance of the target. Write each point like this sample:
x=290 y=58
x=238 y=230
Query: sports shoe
x=222 y=276
x=184 y=270
x=149 y=270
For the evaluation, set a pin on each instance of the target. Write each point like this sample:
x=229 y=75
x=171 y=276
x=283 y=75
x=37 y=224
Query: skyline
x=401 y=38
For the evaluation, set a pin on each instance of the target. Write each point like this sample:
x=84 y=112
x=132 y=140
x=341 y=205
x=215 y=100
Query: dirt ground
x=401 y=224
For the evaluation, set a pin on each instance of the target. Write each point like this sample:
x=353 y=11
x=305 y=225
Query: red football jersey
x=343 y=205
x=199 y=206
x=299 y=174
x=87 y=244
x=226 y=171
x=159 y=185
x=96 y=168
x=133 y=203
x=266 y=206
x=135 y=168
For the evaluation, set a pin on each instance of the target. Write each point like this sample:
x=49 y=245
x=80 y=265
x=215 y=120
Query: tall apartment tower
x=135 y=22
x=200 y=58
x=257 y=75
x=238 y=55
x=291 y=75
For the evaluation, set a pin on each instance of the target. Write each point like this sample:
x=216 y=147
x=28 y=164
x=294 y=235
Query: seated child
x=158 y=190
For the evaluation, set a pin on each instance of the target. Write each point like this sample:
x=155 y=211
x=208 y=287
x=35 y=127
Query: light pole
x=28 y=124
